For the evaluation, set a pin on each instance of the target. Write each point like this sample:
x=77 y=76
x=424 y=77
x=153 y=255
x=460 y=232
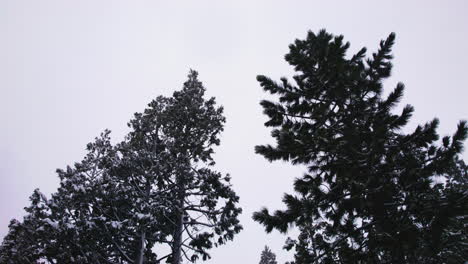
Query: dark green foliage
x=369 y=195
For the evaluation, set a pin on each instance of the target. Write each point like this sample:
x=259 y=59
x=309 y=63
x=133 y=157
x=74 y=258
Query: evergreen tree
x=369 y=194
x=267 y=257
x=156 y=187
x=185 y=127
x=28 y=241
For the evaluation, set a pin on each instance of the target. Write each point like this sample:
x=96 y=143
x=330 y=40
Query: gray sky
x=69 y=69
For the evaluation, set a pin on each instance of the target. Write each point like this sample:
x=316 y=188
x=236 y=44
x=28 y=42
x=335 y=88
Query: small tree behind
x=267 y=257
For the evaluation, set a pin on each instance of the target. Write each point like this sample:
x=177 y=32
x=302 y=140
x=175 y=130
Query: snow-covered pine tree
x=99 y=207
x=92 y=218
x=267 y=257
x=369 y=194
x=185 y=128
x=29 y=241
x=122 y=202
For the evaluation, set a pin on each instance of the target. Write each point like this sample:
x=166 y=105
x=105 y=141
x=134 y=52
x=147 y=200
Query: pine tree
x=267 y=257
x=369 y=194
x=99 y=207
x=120 y=202
x=185 y=127
x=27 y=241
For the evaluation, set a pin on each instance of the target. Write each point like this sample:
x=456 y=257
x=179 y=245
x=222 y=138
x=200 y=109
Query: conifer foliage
x=369 y=194
x=267 y=257
x=122 y=203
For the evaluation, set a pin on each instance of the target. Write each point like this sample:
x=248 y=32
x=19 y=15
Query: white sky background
x=70 y=69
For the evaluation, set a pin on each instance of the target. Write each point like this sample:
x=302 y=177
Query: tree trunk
x=141 y=249
x=179 y=228
x=177 y=250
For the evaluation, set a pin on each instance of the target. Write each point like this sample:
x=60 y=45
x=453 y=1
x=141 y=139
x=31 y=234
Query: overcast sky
x=70 y=69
